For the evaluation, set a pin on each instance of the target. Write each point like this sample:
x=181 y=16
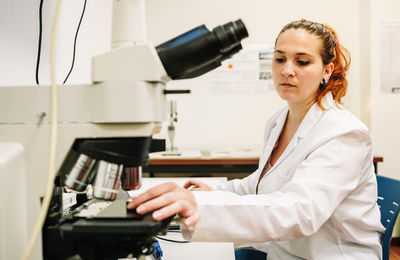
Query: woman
x=314 y=194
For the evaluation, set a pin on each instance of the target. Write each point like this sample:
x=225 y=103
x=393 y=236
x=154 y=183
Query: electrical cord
x=171 y=240
x=76 y=36
x=53 y=143
x=40 y=42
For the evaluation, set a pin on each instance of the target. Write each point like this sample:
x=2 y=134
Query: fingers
x=190 y=183
x=152 y=193
x=166 y=200
x=187 y=184
x=180 y=207
x=197 y=189
x=156 y=203
x=196 y=185
x=191 y=215
x=192 y=220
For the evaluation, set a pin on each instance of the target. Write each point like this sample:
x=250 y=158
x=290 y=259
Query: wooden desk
x=219 y=165
x=228 y=165
x=376 y=160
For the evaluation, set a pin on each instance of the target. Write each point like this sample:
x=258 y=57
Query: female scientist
x=314 y=194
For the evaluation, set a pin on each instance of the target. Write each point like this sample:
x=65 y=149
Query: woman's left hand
x=166 y=200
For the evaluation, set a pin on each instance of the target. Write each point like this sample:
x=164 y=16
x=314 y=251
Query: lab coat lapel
x=276 y=130
x=309 y=121
x=292 y=144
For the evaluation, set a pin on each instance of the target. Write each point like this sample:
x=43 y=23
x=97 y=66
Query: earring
x=322 y=86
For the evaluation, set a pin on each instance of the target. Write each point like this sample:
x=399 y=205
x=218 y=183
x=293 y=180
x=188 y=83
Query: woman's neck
x=297 y=112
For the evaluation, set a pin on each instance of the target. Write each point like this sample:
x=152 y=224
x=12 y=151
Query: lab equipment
x=12 y=167
x=173 y=118
x=105 y=132
x=158 y=253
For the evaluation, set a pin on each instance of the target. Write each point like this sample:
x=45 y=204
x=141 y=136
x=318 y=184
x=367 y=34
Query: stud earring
x=322 y=86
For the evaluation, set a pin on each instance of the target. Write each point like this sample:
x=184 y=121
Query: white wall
x=212 y=120
x=385 y=123
x=19 y=27
x=207 y=120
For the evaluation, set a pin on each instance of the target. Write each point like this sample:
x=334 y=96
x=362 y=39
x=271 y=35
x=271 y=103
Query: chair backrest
x=247 y=253
x=389 y=204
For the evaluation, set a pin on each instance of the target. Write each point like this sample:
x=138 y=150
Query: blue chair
x=388 y=201
x=246 y=253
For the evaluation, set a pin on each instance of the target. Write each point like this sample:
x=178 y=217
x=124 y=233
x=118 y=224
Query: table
x=376 y=160
x=195 y=250
x=192 y=250
x=147 y=183
x=181 y=164
x=227 y=165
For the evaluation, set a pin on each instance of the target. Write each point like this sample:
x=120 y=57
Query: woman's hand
x=196 y=185
x=166 y=200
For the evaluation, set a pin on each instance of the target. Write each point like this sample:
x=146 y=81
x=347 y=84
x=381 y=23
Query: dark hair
x=331 y=51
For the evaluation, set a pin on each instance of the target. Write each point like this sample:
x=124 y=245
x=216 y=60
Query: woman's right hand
x=195 y=185
x=166 y=200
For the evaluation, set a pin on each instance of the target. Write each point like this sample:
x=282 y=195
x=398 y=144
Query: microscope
x=173 y=118
x=105 y=133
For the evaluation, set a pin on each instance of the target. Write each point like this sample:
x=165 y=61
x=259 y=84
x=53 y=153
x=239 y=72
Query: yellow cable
x=53 y=144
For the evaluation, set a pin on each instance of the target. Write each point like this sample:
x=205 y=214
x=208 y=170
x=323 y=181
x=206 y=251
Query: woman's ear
x=328 y=71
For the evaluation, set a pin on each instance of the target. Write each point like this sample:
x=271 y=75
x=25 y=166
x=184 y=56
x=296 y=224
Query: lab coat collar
x=309 y=121
x=276 y=129
x=313 y=115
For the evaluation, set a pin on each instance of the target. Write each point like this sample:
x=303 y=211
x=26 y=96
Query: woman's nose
x=288 y=70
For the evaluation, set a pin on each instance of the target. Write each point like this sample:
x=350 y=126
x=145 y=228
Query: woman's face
x=297 y=68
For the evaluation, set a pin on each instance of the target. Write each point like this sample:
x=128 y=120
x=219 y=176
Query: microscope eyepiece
x=199 y=50
x=231 y=34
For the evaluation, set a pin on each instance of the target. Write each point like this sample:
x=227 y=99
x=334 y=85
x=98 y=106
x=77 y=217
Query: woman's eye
x=303 y=62
x=279 y=60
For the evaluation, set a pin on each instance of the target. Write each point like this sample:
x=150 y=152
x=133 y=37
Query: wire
x=76 y=36
x=40 y=42
x=173 y=241
x=53 y=143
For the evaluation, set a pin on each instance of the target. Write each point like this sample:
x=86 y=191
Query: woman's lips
x=287 y=85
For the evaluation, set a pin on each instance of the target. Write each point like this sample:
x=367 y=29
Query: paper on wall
x=249 y=71
x=390 y=56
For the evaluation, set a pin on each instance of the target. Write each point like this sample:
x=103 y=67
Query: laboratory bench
x=203 y=165
x=190 y=250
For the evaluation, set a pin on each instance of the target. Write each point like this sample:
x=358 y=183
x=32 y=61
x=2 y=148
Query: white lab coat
x=318 y=201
